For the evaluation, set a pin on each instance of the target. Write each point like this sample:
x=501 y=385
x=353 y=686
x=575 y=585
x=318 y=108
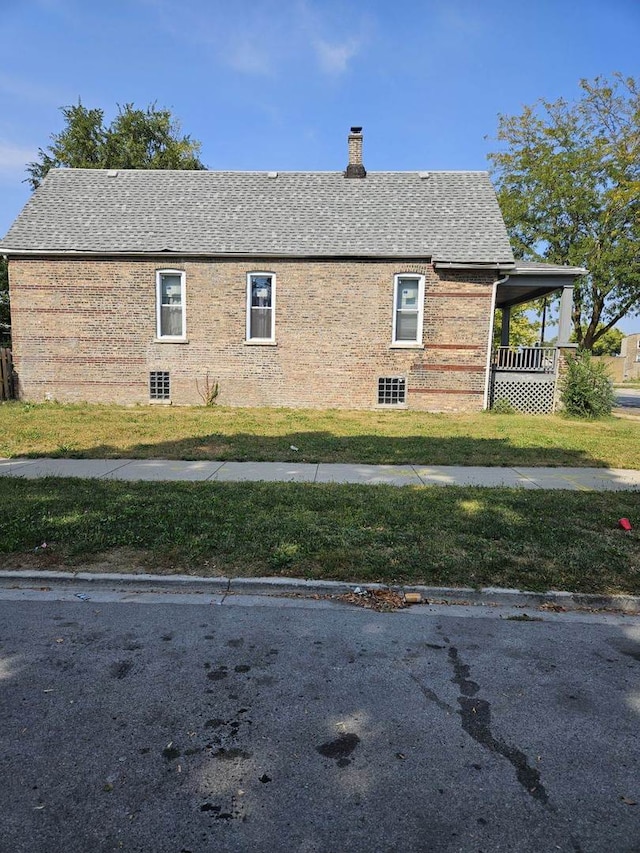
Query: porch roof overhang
x=528 y=280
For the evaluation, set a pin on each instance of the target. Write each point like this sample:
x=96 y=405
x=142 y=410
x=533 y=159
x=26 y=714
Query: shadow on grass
x=317 y=447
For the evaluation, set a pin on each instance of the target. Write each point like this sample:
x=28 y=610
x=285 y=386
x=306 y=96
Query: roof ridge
x=74 y=169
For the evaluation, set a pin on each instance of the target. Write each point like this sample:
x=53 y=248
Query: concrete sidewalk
x=575 y=479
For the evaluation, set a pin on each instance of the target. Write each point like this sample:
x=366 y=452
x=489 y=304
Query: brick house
x=304 y=289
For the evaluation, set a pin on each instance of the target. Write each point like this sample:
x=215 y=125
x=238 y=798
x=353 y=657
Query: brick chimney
x=355 y=169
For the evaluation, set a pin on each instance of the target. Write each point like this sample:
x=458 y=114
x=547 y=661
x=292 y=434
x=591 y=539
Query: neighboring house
x=321 y=289
x=625 y=366
x=630 y=355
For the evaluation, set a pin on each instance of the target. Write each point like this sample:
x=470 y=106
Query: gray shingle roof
x=448 y=216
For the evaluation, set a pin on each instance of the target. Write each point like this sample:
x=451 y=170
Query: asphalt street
x=183 y=726
x=628 y=398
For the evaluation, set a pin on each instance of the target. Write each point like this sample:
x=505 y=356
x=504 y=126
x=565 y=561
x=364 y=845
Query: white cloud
x=247 y=54
x=14 y=158
x=263 y=37
x=26 y=90
x=334 y=58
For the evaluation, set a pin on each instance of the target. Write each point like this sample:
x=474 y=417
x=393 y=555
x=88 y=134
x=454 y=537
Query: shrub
x=586 y=388
x=502 y=407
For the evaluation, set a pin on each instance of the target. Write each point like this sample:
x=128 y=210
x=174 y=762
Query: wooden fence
x=7 y=383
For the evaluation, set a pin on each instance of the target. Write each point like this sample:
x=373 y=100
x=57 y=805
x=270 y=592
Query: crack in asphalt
x=476 y=721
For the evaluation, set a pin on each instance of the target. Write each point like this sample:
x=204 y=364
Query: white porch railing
x=525 y=359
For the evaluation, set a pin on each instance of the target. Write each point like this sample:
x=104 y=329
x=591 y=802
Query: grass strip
x=267 y=435
x=531 y=539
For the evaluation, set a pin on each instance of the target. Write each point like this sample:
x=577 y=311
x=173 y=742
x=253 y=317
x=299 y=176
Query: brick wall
x=85 y=330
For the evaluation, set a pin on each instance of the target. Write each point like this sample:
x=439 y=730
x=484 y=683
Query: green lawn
x=321 y=436
x=437 y=536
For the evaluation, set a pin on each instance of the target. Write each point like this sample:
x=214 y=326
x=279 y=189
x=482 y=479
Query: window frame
x=272 y=338
x=159 y=383
x=419 y=311
x=183 y=305
x=385 y=388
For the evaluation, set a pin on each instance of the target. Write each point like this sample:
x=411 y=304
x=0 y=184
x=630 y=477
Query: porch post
x=564 y=348
x=564 y=320
x=504 y=331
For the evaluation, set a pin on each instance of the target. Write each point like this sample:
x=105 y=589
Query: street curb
x=487 y=596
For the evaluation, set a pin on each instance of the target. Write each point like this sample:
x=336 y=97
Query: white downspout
x=485 y=404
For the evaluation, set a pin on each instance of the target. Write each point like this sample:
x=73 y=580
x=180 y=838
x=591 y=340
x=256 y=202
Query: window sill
x=171 y=340
x=258 y=343
x=159 y=402
x=406 y=346
x=390 y=405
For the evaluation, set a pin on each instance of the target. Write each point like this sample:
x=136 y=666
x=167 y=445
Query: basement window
x=159 y=385
x=392 y=390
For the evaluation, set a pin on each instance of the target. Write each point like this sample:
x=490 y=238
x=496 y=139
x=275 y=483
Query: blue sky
x=276 y=84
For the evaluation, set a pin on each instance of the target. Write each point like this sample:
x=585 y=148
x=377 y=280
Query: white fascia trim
x=525 y=271
x=458 y=265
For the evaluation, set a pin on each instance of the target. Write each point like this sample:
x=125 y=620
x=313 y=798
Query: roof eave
x=549 y=270
x=474 y=265
x=171 y=253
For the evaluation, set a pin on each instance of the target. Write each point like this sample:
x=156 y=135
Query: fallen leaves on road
x=628 y=801
x=552 y=607
x=382 y=600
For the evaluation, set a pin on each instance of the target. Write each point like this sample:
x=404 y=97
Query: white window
x=261 y=306
x=408 y=302
x=171 y=324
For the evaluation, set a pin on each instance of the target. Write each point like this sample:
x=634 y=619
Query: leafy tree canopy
x=135 y=139
x=568 y=179
x=607 y=344
x=522 y=331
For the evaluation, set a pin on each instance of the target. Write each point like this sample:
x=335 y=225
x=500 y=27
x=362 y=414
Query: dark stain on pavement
x=171 y=752
x=630 y=652
x=218 y=674
x=340 y=749
x=476 y=721
x=121 y=669
x=231 y=754
x=214 y=723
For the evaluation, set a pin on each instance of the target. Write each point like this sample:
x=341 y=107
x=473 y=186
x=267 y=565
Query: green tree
x=135 y=139
x=522 y=331
x=608 y=343
x=568 y=180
